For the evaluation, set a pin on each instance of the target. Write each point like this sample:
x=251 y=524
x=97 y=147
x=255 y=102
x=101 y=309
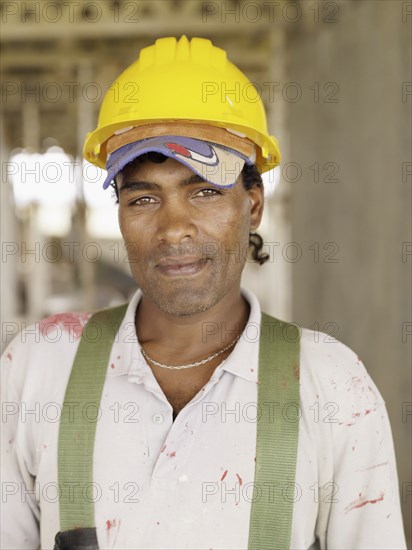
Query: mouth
x=182 y=269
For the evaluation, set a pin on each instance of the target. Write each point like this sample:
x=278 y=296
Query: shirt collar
x=243 y=361
x=127 y=358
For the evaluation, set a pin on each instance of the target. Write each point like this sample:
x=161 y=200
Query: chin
x=186 y=301
x=181 y=298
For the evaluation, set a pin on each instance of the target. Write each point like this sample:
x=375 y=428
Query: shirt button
x=158 y=418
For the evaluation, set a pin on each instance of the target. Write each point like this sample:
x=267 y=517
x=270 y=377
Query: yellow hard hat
x=181 y=81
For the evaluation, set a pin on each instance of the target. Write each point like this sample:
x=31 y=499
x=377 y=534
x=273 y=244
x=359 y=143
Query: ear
x=256 y=199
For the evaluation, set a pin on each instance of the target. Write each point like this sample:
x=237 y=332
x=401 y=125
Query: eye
x=141 y=201
x=209 y=192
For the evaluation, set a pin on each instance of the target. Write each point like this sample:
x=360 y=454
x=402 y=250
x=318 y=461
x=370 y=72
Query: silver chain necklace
x=198 y=363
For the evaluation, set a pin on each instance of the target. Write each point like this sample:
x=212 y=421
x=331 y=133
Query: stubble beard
x=184 y=297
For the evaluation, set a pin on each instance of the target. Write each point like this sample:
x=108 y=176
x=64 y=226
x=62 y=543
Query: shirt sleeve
x=365 y=510
x=20 y=511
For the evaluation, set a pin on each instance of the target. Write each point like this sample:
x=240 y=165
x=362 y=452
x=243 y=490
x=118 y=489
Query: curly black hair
x=250 y=177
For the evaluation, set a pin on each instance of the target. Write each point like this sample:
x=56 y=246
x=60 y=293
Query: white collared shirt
x=188 y=484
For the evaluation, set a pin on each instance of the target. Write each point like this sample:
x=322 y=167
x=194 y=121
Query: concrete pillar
x=9 y=260
x=85 y=124
x=351 y=134
x=36 y=273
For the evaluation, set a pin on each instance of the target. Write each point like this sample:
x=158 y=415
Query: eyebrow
x=136 y=185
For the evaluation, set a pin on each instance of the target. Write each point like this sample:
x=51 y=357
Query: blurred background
x=335 y=77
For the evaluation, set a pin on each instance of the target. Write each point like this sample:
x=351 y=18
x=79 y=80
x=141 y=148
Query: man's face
x=167 y=215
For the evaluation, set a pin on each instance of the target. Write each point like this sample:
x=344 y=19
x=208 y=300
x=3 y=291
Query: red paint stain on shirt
x=163 y=448
x=362 y=501
x=113 y=366
x=378 y=465
x=240 y=479
x=172 y=454
x=374 y=466
x=110 y=524
x=73 y=323
x=9 y=356
x=223 y=475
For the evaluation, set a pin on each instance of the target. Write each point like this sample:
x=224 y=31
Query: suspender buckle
x=84 y=538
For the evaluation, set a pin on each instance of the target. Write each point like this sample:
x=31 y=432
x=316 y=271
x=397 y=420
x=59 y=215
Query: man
x=174 y=454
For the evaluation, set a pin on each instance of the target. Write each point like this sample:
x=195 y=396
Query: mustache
x=211 y=250
x=203 y=251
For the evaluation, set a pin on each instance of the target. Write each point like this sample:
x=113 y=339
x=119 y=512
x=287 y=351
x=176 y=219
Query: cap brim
x=216 y=164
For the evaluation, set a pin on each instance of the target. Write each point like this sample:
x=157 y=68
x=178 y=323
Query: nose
x=175 y=223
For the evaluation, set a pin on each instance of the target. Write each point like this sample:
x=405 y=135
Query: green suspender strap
x=78 y=428
x=276 y=435
x=276 y=441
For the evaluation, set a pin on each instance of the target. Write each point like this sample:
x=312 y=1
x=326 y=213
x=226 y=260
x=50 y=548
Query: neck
x=176 y=339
